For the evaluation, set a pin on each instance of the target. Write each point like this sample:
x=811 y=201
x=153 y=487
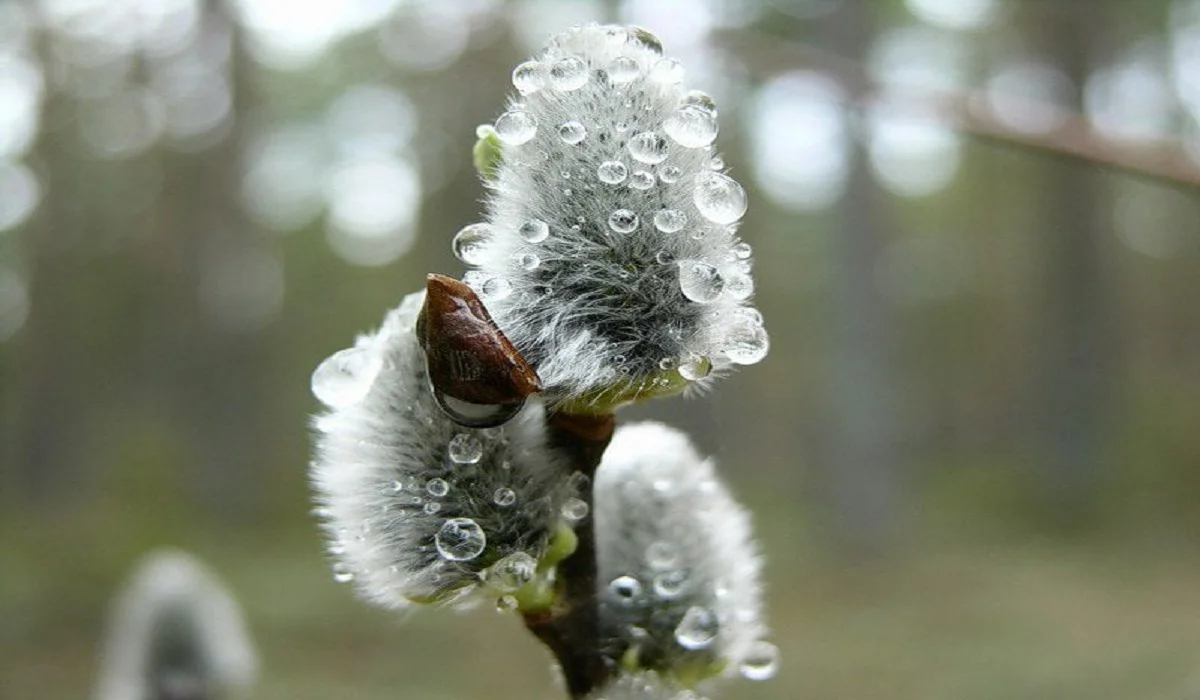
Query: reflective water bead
x=342 y=573
x=575 y=509
x=625 y=588
x=578 y=480
x=694 y=367
x=432 y=507
x=528 y=77
x=697 y=629
x=497 y=288
x=516 y=127
x=646 y=38
x=700 y=281
x=571 y=132
x=667 y=363
x=465 y=448
x=664 y=257
x=760 y=662
x=612 y=172
x=623 y=221
x=739 y=286
x=669 y=220
x=470 y=241
x=648 y=147
x=569 y=73
x=504 y=497
x=701 y=99
x=668 y=71
x=669 y=173
x=394 y=486
x=692 y=127
x=746 y=344
x=719 y=198
x=662 y=554
x=437 y=487
x=506 y=603
x=622 y=70
x=512 y=572
x=475 y=415
x=716 y=163
x=641 y=180
x=460 y=539
x=534 y=230
x=530 y=261
x=345 y=377
x=669 y=584
x=742 y=251
x=750 y=314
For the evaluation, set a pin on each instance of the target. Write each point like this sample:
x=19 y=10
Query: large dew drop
x=512 y=572
x=669 y=220
x=516 y=127
x=469 y=243
x=695 y=367
x=648 y=147
x=761 y=661
x=567 y=74
x=700 y=281
x=345 y=377
x=697 y=629
x=623 y=221
x=719 y=198
x=535 y=230
x=465 y=448
x=739 y=286
x=529 y=77
x=612 y=172
x=746 y=343
x=692 y=127
x=460 y=539
x=572 y=132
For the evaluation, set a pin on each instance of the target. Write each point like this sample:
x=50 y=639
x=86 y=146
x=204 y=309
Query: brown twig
x=1163 y=160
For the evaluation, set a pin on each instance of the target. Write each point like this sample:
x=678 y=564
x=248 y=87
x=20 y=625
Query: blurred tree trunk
x=1075 y=352
x=862 y=478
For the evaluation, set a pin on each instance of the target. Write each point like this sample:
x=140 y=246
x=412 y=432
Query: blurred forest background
x=973 y=452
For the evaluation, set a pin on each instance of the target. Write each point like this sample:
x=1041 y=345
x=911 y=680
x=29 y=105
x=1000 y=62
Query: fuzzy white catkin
x=678 y=565
x=416 y=507
x=642 y=686
x=174 y=629
x=610 y=253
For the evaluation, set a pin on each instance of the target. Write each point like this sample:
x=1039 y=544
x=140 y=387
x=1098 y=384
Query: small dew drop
x=761 y=661
x=692 y=127
x=625 y=588
x=664 y=257
x=535 y=230
x=432 y=507
x=622 y=70
x=719 y=198
x=668 y=71
x=470 y=242
x=575 y=509
x=511 y=572
x=567 y=74
x=648 y=147
x=747 y=343
x=437 y=487
x=669 y=220
x=342 y=573
x=623 y=221
x=496 y=288
x=395 y=486
x=460 y=539
x=528 y=77
x=345 y=377
x=669 y=173
x=571 y=132
x=641 y=180
x=612 y=172
x=504 y=497
x=667 y=364
x=516 y=127
x=695 y=367
x=506 y=603
x=529 y=261
x=669 y=584
x=697 y=629
x=578 y=480
x=465 y=448
x=700 y=281
x=742 y=251
x=739 y=286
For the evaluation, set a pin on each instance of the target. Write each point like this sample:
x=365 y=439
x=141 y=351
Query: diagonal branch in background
x=1164 y=161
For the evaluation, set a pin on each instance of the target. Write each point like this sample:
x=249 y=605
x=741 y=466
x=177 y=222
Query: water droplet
x=460 y=539
x=701 y=99
x=512 y=572
x=700 y=281
x=465 y=448
x=666 y=364
x=504 y=497
x=394 y=486
x=437 y=487
x=719 y=198
x=569 y=73
x=528 y=77
x=571 y=132
x=692 y=127
x=622 y=70
x=648 y=147
x=578 y=480
x=739 y=286
x=697 y=629
x=529 y=261
x=662 y=554
x=345 y=377
x=623 y=221
x=432 y=507
x=669 y=584
x=746 y=343
x=669 y=173
x=664 y=257
x=566 y=174
x=516 y=127
x=506 y=603
x=695 y=367
x=646 y=38
x=669 y=220
x=342 y=573
x=641 y=180
x=575 y=509
x=535 y=230
x=625 y=588
x=474 y=415
x=760 y=662
x=668 y=71
x=612 y=172
x=742 y=251
x=470 y=242
x=496 y=288
x=716 y=163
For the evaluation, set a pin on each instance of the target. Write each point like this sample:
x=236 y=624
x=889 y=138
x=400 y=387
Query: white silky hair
x=386 y=483
x=174 y=600
x=602 y=305
x=665 y=520
x=642 y=686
